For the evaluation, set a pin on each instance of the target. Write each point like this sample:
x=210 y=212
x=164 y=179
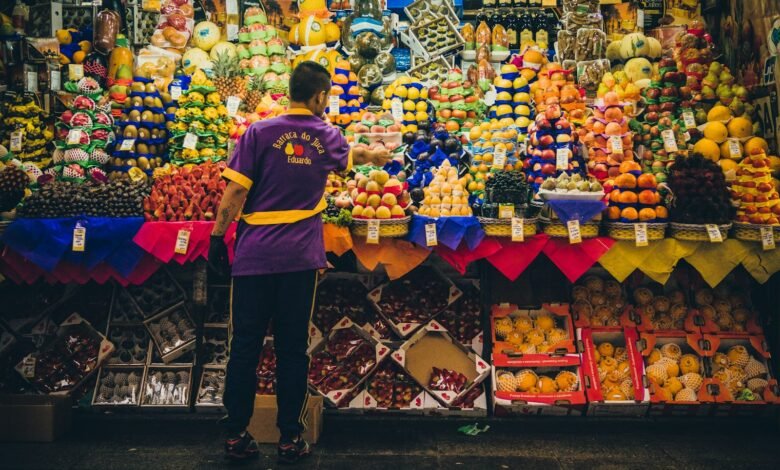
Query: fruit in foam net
x=614 y=376
x=536 y=382
x=526 y=334
x=663 y=369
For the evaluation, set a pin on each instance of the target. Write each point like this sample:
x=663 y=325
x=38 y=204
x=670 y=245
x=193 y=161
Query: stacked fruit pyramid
x=377 y=196
x=754 y=192
x=728 y=137
x=262 y=52
x=350 y=102
x=513 y=98
x=608 y=139
x=142 y=143
x=413 y=96
x=635 y=197
x=446 y=195
x=83 y=133
x=21 y=113
x=203 y=126
x=495 y=144
x=552 y=147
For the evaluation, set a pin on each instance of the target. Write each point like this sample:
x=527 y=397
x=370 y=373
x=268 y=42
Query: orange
x=661 y=212
x=648 y=197
x=452 y=126
x=647 y=181
x=628 y=197
x=629 y=213
x=613 y=213
x=626 y=180
x=646 y=215
x=340 y=79
x=614 y=196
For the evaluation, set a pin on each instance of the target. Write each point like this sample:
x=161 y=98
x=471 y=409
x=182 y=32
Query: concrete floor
x=160 y=442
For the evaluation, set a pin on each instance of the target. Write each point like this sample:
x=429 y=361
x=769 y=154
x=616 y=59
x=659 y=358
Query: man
x=277 y=177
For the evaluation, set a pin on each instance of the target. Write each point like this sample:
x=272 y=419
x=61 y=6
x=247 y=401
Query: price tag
x=640 y=18
x=333 y=105
x=231 y=7
x=190 y=141
x=518 y=231
x=232 y=105
x=670 y=142
x=689 y=120
x=55 y=80
x=74 y=136
x=714 y=232
x=182 y=242
x=28 y=367
x=640 y=234
x=232 y=32
x=617 y=143
x=562 y=159
x=397 y=109
x=372 y=237
x=499 y=158
x=598 y=102
x=687 y=136
x=735 y=150
x=75 y=71
x=79 y=238
x=127 y=145
x=767 y=238
x=32 y=81
x=175 y=92
x=575 y=236
x=430 y=235
x=506 y=211
x=17 y=137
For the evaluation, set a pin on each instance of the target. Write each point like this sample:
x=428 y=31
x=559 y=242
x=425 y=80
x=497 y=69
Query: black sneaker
x=241 y=448
x=294 y=451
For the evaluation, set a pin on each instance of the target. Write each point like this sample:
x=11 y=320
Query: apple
x=548 y=169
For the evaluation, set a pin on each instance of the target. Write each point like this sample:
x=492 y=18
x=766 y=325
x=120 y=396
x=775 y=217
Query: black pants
x=288 y=300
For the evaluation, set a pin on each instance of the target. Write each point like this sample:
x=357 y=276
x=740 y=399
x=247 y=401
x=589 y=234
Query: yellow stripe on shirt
x=236 y=177
x=283 y=217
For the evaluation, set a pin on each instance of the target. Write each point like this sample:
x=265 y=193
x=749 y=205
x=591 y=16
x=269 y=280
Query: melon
x=194 y=59
x=634 y=45
x=206 y=35
x=223 y=46
x=638 y=69
x=310 y=32
x=708 y=148
x=740 y=127
x=756 y=143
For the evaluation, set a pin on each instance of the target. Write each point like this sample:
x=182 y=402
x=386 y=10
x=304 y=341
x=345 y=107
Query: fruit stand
x=581 y=215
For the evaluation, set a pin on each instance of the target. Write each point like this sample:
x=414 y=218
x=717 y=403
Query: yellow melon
x=708 y=148
x=728 y=165
x=740 y=127
x=756 y=142
x=719 y=113
x=716 y=131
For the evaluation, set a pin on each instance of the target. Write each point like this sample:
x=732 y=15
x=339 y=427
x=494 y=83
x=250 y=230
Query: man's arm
x=364 y=156
x=229 y=207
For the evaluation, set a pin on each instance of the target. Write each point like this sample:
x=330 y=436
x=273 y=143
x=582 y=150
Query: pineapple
x=254 y=93
x=227 y=77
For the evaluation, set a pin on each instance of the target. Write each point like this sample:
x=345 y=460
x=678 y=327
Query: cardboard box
x=559 y=313
x=263 y=424
x=600 y=303
x=383 y=388
x=183 y=339
x=171 y=394
x=660 y=404
x=414 y=297
x=558 y=403
x=211 y=389
x=473 y=404
x=589 y=339
x=463 y=319
x=109 y=401
x=433 y=347
x=34 y=418
x=726 y=403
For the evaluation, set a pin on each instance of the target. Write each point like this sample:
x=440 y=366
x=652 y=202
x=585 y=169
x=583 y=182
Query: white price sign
x=231 y=7
x=17 y=137
x=670 y=142
x=127 y=145
x=175 y=92
x=617 y=144
x=506 y=211
x=333 y=105
x=28 y=367
x=518 y=231
x=190 y=141
x=714 y=233
x=55 y=80
x=689 y=120
x=767 y=238
x=575 y=236
x=32 y=82
x=74 y=136
x=372 y=235
x=499 y=158
x=562 y=159
x=397 y=109
x=232 y=32
x=735 y=150
x=182 y=242
x=430 y=235
x=640 y=234
x=75 y=71
x=79 y=238
x=232 y=105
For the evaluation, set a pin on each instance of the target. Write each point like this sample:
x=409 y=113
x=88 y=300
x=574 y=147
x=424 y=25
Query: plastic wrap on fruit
x=107 y=25
x=485 y=74
x=370 y=76
x=589 y=73
x=362 y=360
x=590 y=44
x=482 y=36
x=567 y=41
x=584 y=6
x=499 y=39
x=469 y=36
x=344 y=343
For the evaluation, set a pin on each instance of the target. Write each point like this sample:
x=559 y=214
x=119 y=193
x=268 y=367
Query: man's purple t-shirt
x=284 y=162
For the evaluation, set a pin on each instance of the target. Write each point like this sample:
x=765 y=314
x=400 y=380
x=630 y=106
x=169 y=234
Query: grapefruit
x=716 y=131
x=719 y=113
x=708 y=148
x=756 y=142
x=740 y=127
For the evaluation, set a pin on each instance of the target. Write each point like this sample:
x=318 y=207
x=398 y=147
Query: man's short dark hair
x=308 y=79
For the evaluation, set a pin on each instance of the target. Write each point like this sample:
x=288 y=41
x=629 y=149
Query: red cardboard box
x=660 y=403
x=598 y=405
x=728 y=403
x=472 y=404
x=643 y=318
x=390 y=389
x=600 y=303
x=562 y=323
x=560 y=403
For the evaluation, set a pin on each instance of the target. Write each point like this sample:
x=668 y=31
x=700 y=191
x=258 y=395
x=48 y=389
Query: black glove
x=218 y=256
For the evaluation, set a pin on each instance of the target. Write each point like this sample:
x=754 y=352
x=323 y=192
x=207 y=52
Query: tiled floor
x=157 y=442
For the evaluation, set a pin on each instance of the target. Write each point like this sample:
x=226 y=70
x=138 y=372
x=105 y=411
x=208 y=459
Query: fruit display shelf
x=601 y=303
x=167 y=387
x=665 y=312
x=541 y=332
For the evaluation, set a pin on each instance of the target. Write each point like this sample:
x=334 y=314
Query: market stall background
x=545 y=241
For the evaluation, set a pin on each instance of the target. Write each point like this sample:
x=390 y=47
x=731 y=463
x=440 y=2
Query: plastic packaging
x=500 y=40
x=567 y=41
x=483 y=35
x=469 y=35
x=580 y=6
x=591 y=44
x=575 y=21
x=107 y=27
x=175 y=25
x=589 y=72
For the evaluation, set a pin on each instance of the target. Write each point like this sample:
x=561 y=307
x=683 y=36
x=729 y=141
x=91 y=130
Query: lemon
x=725 y=150
x=421 y=116
x=756 y=143
x=727 y=165
x=401 y=91
x=409 y=106
x=421 y=106
x=716 y=131
x=413 y=93
x=424 y=94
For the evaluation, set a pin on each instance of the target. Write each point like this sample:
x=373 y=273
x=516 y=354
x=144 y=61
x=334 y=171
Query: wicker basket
x=388 y=228
x=556 y=228
x=626 y=231
x=696 y=232
x=752 y=232
x=4 y=225
x=503 y=227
